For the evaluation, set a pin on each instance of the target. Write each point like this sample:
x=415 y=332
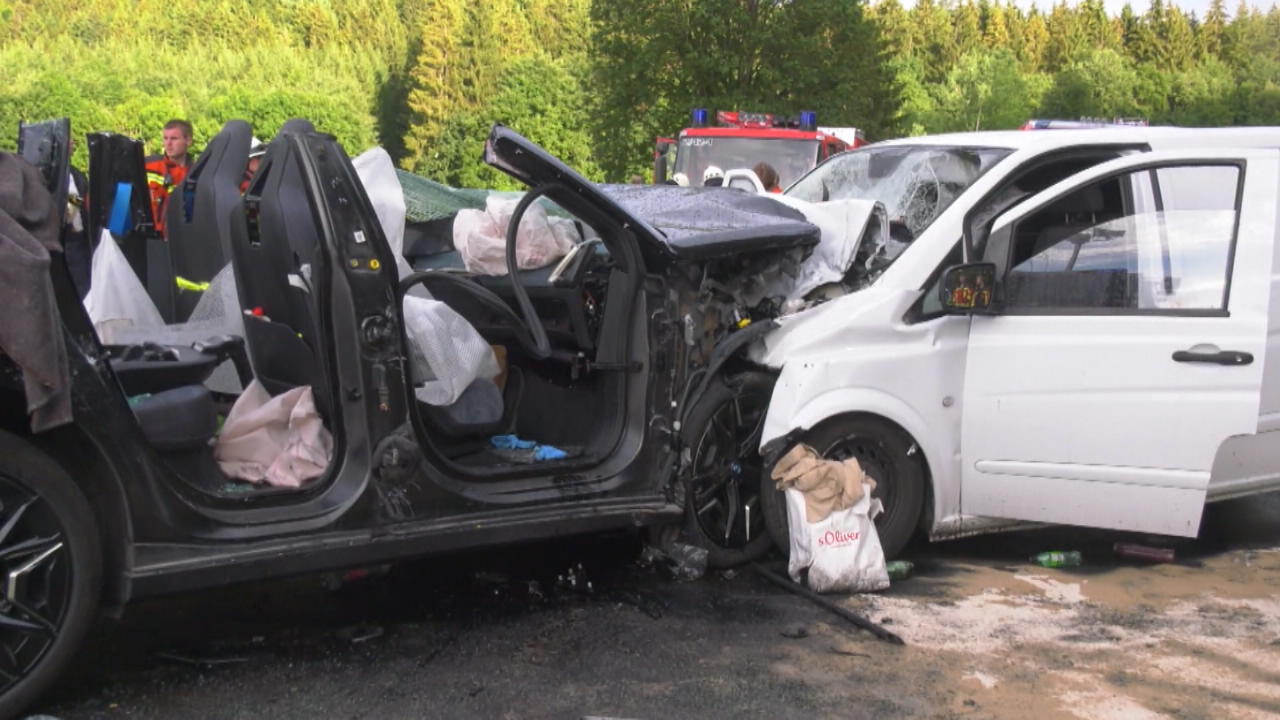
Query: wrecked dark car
x=615 y=393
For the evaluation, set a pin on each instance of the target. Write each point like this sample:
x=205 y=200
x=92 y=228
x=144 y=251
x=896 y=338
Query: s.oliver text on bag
x=837 y=538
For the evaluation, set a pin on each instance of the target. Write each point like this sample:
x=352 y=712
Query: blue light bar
x=700 y=116
x=808 y=120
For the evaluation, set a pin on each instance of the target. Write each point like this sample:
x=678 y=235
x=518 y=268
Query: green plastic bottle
x=899 y=569
x=1058 y=559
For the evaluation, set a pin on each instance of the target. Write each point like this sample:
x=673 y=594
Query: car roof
x=1050 y=139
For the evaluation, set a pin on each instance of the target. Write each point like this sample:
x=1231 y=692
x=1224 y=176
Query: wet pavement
x=583 y=628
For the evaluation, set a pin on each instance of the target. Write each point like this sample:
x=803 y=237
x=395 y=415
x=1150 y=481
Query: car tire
x=730 y=412
x=887 y=454
x=47 y=534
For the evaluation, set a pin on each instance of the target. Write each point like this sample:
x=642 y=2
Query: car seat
x=274 y=245
x=199 y=215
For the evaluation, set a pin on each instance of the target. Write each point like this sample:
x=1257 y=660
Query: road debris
x=1134 y=551
x=206 y=662
x=817 y=599
x=1057 y=559
x=360 y=633
x=899 y=569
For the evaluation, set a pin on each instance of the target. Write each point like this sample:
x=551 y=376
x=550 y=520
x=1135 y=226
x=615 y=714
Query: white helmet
x=681 y=179
x=711 y=173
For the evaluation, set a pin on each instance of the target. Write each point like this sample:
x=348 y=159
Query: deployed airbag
x=278 y=440
x=480 y=236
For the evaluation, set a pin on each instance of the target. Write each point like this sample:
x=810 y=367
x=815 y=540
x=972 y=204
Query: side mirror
x=968 y=288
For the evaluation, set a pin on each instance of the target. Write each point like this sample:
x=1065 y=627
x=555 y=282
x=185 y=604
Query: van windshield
x=916 y=183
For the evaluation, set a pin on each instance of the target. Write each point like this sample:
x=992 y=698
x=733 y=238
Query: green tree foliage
x=987 y=90
x=595 y=81
x=128 y=66
x=656 y=59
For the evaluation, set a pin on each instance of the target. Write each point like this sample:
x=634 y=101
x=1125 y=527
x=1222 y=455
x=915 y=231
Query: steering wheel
x=439 y=282
x=542 y=346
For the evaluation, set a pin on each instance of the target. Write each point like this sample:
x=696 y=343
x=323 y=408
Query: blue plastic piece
x=119 y=223
x=546 y=452
x=511 y=442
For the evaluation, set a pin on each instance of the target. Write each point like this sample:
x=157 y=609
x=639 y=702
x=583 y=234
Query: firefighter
x=167 y=170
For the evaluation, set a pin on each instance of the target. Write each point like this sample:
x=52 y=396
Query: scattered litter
x=575 y=580
x=795 y=632
x=679 y=561
x=817 y=599
x=513 y=449
x=987 y=681
x=1054 y=590
x=899 y=569
x=360 y=633
x=1134 y=551
x=1057 y=559
x=199 y=661
x=830 y=513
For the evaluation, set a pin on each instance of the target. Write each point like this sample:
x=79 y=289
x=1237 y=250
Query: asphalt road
x=507 y=635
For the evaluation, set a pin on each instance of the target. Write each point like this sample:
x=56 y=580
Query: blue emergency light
x=700 y=116
x=808 y=120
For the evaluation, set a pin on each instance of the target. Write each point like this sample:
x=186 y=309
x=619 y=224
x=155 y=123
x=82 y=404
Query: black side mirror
x=968 y=288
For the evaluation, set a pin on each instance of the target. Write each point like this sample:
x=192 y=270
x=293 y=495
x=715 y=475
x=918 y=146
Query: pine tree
x=1035 y=42
x=996 y=32
x=1211 y=30
x=437 y=89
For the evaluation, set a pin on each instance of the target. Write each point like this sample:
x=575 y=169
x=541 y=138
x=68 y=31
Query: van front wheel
x=886 y=454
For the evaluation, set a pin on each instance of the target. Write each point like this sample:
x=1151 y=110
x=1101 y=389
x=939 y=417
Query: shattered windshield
x=791 y=158
x=916 y=183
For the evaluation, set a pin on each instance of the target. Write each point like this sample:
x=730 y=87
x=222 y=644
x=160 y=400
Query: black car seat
x=274 y=245
x=199 y=214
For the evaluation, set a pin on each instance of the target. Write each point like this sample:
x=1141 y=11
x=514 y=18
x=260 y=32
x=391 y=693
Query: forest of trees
x=595 y=81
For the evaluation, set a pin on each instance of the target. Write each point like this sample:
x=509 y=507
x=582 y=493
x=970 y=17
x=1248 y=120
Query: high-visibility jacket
x=163 y=175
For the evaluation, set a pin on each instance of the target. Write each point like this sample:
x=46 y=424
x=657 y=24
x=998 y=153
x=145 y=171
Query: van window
x=1149 y=240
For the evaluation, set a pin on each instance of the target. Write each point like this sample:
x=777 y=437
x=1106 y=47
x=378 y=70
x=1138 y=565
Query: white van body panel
x=856 y=354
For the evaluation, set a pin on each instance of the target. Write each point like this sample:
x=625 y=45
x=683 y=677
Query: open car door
x=1128 y=345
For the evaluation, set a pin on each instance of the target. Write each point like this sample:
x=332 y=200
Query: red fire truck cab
x=739 y=140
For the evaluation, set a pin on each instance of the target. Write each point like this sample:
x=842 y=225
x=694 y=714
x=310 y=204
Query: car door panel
x=1084 y=415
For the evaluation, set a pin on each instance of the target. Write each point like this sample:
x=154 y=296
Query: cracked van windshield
x=916 y=183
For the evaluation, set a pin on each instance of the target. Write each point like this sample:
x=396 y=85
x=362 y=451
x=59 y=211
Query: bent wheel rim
x=35 y=587
x=725 y=486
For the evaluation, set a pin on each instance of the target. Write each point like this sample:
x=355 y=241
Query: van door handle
x=1222 y=357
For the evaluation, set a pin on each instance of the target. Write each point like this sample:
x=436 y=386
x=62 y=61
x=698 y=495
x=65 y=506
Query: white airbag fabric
x=480 y=237
x=278 y=440
x=446 y=354
x=117 y=301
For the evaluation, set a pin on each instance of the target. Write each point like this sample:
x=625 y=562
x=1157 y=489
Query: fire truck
x=739 y=140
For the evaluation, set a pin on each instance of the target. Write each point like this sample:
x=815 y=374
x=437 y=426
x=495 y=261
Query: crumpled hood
x=843 y=224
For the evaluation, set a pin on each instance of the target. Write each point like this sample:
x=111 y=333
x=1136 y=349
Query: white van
x=1081 y=329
